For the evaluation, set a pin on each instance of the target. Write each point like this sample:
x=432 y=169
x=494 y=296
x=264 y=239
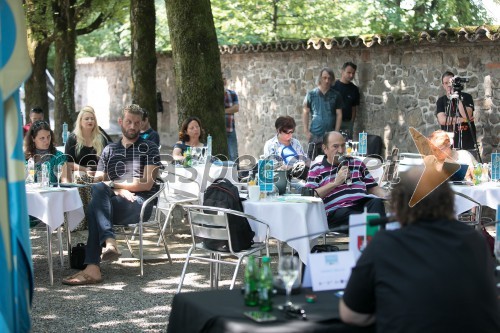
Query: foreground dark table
x=222 y=311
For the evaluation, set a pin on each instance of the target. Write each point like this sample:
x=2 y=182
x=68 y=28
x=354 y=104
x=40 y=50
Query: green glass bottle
x=251 y=283
x=266 y=286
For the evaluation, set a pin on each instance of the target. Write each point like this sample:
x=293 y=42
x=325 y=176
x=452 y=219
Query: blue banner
x=16 y=271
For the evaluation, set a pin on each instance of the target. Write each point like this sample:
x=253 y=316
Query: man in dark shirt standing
x=457 y=120
x=126 y=178
x=350 y=96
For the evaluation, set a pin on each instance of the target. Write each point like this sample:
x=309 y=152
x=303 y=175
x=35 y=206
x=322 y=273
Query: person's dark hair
x=145 y=114
x=349 y=64
x=29 y=143
x=437 y=205
x=36 y=109
x=183 y=136
x=284 y=123
x=329 y=71
x=445 y=74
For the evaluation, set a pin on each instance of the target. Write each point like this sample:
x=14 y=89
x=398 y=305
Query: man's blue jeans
x=232 y=145
x=104 y=210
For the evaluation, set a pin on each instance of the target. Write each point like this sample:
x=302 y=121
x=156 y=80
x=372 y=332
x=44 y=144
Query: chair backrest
x=212 y=226
x=391 y=167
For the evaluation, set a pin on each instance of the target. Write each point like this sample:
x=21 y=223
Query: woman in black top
x=85 y=144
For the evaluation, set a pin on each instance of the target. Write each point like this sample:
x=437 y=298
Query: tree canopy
x=254 y=21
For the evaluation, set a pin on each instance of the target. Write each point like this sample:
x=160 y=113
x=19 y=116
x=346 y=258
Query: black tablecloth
x=222 y=311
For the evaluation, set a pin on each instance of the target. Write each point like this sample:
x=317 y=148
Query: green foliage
x=254 y=21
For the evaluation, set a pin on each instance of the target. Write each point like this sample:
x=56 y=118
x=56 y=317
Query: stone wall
x=399 y=85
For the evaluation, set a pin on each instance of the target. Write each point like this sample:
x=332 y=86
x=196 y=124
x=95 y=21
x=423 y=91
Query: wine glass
x=59 y=174
x=288 y=271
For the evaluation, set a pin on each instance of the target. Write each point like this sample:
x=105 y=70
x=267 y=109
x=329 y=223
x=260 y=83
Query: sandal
x=80 y=279
x=110 y=253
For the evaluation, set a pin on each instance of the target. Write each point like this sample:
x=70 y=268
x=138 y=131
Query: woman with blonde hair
x=85 y=144
x=442 y=141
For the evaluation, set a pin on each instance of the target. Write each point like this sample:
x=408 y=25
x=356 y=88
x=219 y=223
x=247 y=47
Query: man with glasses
x=323 y=107
x=345 y=187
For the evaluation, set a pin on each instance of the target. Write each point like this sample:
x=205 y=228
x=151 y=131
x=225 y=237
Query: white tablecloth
x=287 y=220
x=50 y=205
x=488 y=194
x=203 y=175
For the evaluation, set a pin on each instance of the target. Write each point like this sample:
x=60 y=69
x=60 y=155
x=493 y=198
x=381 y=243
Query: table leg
x=61 y=250
x=49 y=255
x=68 y=238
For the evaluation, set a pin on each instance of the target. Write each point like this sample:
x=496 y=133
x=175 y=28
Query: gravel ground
x=125 y=302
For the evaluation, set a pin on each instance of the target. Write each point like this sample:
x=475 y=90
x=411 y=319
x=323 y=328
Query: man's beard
x=129 y=135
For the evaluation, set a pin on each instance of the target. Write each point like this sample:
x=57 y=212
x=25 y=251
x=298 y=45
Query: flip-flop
x=74 y=281
x=110 y=254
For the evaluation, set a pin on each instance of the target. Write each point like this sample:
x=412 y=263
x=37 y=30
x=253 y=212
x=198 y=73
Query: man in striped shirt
x=346 y=188
x=126 y=175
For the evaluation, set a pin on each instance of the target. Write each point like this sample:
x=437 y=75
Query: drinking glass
x=196 y=154
x=288 y=271
x=59 y=174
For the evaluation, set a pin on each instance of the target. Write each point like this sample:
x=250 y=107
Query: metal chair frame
x=173 y=198
x=139 y=226
x=212 y=222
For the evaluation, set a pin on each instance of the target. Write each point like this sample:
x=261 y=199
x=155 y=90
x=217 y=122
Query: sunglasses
x=288 y=132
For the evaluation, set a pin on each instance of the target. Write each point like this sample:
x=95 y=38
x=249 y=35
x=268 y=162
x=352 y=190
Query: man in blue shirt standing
x=324 y=107
x=231 y=107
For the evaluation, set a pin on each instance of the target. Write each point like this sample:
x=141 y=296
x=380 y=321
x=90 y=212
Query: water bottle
x=497 y=238
x=187 y=157
x=30 y=167
x=45 y=175
x=209 y=148
x=251 y=283
x=251 y=179
x=65 y=133
x=266 y=286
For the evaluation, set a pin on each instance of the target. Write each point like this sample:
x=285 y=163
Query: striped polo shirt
x=122 y=163
x=344 y=195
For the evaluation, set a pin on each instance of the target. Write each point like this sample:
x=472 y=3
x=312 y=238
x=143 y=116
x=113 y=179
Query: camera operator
x=459 y=120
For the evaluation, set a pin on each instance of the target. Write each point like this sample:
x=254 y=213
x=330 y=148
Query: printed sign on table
x=330 y=270
x=266 y=175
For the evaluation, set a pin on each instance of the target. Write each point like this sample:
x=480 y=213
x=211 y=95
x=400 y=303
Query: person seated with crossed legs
x=126 y=178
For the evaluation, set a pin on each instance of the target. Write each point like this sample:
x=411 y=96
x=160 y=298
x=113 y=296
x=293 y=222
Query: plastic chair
x=138 y=228
x=212 y=223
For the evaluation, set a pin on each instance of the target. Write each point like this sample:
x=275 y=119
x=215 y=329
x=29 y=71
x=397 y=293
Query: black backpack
x=223 y=194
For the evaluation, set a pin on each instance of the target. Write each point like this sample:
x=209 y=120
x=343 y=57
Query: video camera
x=458 y=82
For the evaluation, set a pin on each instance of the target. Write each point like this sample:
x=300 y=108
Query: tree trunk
x=64 y=66
x=198 y=77
x=143 y=60
x=35 y=88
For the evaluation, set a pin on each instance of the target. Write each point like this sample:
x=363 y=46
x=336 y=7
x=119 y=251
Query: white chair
x=473 y=216
x=212 y=223
x=138 y=228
